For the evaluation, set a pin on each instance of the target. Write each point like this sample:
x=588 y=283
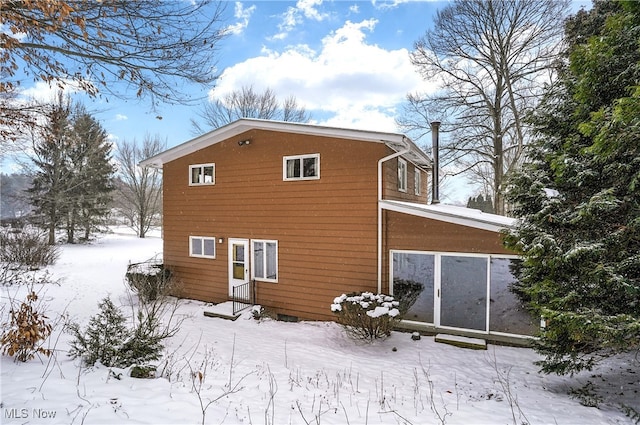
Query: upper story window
x=202 y=174
x=301 y=167
x=418 y=181
x=402 y=175
x=202 y=246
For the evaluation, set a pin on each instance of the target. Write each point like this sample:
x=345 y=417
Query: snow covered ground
x=269 y=372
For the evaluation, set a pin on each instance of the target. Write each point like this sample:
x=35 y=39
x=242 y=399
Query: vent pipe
x=435 y=181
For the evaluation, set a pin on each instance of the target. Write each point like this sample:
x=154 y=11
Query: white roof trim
x=452 y=214
x=393 y=140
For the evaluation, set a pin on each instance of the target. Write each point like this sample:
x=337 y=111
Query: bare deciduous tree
x=491 y=59
x=247 y=103
x=108 y=47
x=139 y=189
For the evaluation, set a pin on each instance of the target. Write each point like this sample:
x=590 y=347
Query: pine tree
x=91 y=160
x=578 y=197
x=53 y=178
x=73 y=175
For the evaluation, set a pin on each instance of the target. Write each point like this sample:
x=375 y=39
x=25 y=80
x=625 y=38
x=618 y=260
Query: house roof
x=395 y=141
x=452 y=214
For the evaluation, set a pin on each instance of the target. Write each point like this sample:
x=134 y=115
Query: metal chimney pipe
x=435 y=181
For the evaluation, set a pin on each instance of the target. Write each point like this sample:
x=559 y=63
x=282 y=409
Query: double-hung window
x=301 y=167
x=265 y=260
x=202 y=174
x=202 y=246
x=418 y=181
x=402 y=175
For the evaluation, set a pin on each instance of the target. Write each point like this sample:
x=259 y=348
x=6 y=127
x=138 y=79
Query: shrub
x=103 y=338
x=26 y=248
x=366 y=315
x=108 y=340
x=149 y=280
x=27 y=329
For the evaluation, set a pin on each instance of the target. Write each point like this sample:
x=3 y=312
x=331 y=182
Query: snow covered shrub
x=149 y=280
x=26 y=330
x=27 y=248
x=103 y=338
x=107 y=339
x=367 y=315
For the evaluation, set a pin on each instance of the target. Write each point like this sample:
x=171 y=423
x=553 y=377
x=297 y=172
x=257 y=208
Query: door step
x=462 y=341
x=222 y=311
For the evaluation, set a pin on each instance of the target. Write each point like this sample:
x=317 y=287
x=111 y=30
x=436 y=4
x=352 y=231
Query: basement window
x=301 y=167
x=202 y=246
x=202 y=174
x=402 y=175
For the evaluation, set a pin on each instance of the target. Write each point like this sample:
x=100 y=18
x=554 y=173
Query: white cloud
x=349 y=82
x=295 y=15
x=121 y=117
x=243 y=15
x=46 y=92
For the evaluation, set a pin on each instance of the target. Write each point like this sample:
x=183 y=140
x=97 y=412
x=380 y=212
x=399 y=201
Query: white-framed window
x=202 y=246
x=202 y=174
x=301 y=167
x=417 y=181
x=402 y=175
x=265 y=260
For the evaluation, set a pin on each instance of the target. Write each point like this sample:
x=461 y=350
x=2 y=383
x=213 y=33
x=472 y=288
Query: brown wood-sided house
x=311 y=212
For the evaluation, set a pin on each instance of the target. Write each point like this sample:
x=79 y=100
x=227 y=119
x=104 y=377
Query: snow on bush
x=366 y=315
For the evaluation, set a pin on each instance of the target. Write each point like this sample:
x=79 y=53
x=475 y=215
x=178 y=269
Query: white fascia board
x=393 y=140
x=452 y=214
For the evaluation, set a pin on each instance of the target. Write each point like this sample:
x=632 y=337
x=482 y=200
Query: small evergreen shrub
x=26 y=330
x=366 y=315
x=103 y=338
x=108 y=340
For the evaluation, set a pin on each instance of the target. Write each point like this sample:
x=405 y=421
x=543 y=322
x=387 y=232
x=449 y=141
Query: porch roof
x=451 y=214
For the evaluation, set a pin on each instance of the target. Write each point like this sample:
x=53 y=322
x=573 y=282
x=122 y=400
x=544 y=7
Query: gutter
x=407 y=149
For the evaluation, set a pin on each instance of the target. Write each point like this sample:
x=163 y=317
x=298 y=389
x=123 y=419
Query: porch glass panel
x=507 y=312
x=463 y=302
x=413 y=285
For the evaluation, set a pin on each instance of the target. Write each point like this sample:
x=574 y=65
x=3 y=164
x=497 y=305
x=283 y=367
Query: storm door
x=238 y=263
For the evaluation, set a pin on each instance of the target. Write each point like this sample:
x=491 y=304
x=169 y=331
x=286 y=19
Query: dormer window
x=402 y=175
x=301 y=167
x=202 y=174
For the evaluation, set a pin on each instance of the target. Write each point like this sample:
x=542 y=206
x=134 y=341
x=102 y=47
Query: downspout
x=406 y=149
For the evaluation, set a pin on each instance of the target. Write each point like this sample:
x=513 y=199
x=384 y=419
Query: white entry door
x=238 y=263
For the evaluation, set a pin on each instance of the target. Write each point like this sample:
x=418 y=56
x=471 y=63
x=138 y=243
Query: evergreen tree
x=53 y=178
x=91 y=160
x=73 y=175
x=578 y=197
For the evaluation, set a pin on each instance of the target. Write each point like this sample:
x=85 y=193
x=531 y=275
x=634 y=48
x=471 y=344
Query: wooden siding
x=407 y=232
x=326 y=229
x=390 y=186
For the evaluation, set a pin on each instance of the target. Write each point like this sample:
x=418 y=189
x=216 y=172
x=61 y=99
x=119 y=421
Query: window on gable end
x=301 y=167
x=202 y=174
x=402 y=175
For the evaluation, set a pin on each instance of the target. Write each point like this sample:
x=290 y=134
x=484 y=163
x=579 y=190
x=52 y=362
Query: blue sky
x=346 y=62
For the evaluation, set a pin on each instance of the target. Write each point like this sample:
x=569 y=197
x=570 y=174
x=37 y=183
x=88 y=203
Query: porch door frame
x=236 y=261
